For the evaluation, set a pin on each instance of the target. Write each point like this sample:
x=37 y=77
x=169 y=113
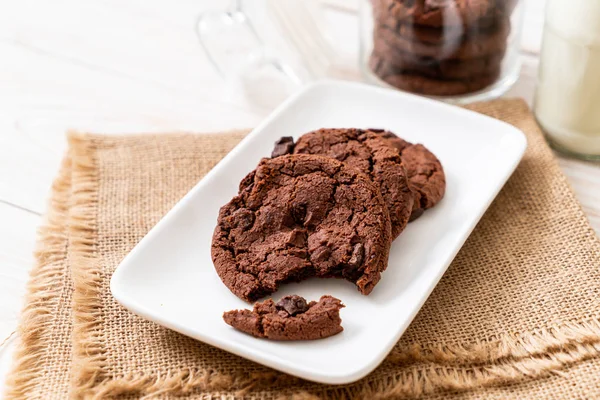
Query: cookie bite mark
x=368 y=153
x=298 y=216
x=292 y=318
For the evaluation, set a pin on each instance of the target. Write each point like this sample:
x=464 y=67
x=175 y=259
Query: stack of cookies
x=327 y=206
x=440 y=47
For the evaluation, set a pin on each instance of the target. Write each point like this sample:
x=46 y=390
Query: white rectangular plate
x=169 y=276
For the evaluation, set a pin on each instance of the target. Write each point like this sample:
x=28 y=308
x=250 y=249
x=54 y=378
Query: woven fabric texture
x=517 y=313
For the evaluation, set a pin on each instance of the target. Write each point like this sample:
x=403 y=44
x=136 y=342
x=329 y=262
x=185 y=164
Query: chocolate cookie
x=298 y=216
x=438 y=13
x=369 y=154
x=421 y=33
x=389 y=42
x=432 y=68
x=437 y=87
x=292 y=318
x=425 y=173
x=435 y=35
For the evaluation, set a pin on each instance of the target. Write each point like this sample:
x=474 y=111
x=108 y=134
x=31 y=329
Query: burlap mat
x=517 y=314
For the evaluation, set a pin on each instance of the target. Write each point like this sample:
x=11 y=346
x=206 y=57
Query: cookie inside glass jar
x=439 y=47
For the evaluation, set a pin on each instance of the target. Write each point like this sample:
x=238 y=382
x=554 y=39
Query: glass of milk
x=567 y=100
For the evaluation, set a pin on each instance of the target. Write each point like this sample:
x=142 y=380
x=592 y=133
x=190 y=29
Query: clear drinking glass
x=266 y=49
x=567 y=101
x=450 y=49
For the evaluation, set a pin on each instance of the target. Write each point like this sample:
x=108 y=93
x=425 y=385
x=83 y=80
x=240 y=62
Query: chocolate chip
x=358 y=254
x=285 y=139
x=299 y=213
x=376 y=130
x=292 y=304
x=283 y=146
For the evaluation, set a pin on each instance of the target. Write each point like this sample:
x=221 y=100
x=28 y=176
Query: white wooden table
x=128 y=66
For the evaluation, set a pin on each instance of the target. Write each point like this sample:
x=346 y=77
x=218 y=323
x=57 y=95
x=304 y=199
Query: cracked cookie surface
x=425 y=172
x=298 y=216
x=372 y=155
x=291 y=318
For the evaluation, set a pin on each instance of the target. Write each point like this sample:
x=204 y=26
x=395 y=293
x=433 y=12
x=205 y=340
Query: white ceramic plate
x=169 y=276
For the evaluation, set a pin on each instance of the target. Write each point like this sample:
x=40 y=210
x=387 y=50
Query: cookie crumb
x=291 y=318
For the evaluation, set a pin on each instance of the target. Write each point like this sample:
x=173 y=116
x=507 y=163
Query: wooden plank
x=101 y=36
x=29 y=165
x=45 y=96
x=6 y=353
x=17 y=240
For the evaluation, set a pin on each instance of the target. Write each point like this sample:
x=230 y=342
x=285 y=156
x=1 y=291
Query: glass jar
x=451 y=49
x=567 y=101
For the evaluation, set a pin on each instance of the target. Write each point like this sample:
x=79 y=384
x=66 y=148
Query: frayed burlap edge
x=506 y=347
x=457 y=367
x=39 y=310
x=410 y=382
x=88 y=359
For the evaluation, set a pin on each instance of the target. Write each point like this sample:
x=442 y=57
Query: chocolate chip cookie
x=298 y=216
x=292 y=318
x=391 y=43
x=369 y=154
x=438 y=13
x=433 y=68
x=425 y=172
x=439 y=87
x=452 y=33
x=424 y=34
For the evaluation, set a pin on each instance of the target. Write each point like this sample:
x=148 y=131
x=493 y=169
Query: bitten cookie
x=425 y=173
x=369 y=154
x=292 y=318
x=298 y=216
